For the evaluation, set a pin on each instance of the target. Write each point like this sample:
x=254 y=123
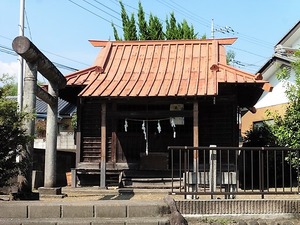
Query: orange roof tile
x=159 y=68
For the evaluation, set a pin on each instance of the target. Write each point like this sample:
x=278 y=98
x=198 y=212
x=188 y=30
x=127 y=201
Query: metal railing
x=233 y=171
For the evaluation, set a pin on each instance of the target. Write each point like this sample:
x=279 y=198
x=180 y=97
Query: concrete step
x=86 y=221
x=92 y=213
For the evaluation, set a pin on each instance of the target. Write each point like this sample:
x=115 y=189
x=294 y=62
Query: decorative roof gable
x=159 y=68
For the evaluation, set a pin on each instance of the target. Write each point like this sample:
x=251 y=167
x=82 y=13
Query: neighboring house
x=66 y=146
x=65 y=142
x=142 y=96
x=275 y=100
x=65 y=138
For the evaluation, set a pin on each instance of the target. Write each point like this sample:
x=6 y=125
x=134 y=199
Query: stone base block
x=50 y=190
x=46 y=192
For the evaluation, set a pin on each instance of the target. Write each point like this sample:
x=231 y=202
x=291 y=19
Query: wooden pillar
x=30 y=80
x=51 y=139
x=114 y=137
x=78 y=131
x=196 y=135
x=103 y=146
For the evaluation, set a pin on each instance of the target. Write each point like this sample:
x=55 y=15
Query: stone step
x=86 y=221
x=94 y=210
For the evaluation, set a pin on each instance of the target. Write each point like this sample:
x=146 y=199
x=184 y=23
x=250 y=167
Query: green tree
x=260 y=136
x=171 y=28
x=142 y=24
x=230 y=56
x=286 y=127
x=153 y=29
x=129 y=27
x=10 y=87
x=175 y=31
x=187 y=32
x=13 y=138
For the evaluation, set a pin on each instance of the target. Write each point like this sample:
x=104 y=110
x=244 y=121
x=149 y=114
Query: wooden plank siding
x=217 y=125
x=91 y=133
x=218 y=122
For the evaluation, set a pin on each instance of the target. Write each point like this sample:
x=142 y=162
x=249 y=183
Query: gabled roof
x=159 y=68
x=291 y=36
x=283 y=51
x=64 y=108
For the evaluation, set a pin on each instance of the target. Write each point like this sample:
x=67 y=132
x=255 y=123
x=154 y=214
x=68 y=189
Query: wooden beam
x=145 y=114
x=114 y=138
x=45 y=96
x=78 y=131
x=196 y=134
x=25 y=48
x=103 y=146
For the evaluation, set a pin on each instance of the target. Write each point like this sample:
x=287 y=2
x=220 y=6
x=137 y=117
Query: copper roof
x=159 y=68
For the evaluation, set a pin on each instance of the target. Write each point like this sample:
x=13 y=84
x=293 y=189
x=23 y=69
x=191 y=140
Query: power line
x=60 y=56
x=186 y=13
x=80 y=6
x=118 y=13
x=183 y=11
x=116 y=2
x=27 y=21
x=10 y=51
x=64 y=67
x=248 y=52
x=102 y=10
x=72 y=60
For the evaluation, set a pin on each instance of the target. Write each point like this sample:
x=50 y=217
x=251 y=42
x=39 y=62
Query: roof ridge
x=95 y=68
x=221 y=41
x=231 y=68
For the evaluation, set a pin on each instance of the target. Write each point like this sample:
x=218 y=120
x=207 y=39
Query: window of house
x=258 y=124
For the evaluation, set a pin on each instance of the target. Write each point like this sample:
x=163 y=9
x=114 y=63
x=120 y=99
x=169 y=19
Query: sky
x=61 y=28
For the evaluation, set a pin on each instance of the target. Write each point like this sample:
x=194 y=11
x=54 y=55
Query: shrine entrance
x=144 y=133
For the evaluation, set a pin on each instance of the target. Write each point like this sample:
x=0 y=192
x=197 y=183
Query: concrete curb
x=238 y=207
x=91 y=213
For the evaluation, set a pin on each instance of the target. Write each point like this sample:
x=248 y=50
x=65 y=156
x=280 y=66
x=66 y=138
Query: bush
x=13 y=140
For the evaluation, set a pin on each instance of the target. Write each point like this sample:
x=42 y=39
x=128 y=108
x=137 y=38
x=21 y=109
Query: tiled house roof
x=64 y=108
x=159 y=68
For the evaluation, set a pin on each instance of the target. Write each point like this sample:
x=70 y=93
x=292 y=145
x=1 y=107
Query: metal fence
x=233 y=171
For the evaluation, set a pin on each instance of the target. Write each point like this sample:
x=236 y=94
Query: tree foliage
x=13 y=138
x=285 y=131
x=260 y=136
x=230 y=57
x=287 y=127
x=153 y=28
x=10 y=87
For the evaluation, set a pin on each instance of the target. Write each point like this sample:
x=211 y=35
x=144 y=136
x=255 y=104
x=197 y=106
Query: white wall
x=65 y=140
x=277 y=96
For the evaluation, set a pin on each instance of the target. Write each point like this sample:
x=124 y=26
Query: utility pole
x=20 y=59
x=222 y=30
x=212 y=29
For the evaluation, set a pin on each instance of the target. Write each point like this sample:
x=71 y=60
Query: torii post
x=38 y=62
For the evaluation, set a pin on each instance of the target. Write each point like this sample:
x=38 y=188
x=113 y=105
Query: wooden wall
x=217 y=126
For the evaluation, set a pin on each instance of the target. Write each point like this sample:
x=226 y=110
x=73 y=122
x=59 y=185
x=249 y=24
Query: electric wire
x=84 y=8
x=118 y=13
x=60 y=56
x=170 y=4
x=102 y=10
x=207 y=23
x=10 y=51
x=183 y=11
x=247 y=52
x=27 y=21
